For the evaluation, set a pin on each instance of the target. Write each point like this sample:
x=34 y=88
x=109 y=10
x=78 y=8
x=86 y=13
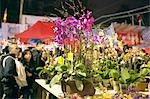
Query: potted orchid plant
x=76 y=29
x=72 y=68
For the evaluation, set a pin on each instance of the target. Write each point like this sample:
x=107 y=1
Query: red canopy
x=40 y=30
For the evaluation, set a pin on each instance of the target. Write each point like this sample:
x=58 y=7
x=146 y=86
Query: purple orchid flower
x=98 y=39
x=70 y=27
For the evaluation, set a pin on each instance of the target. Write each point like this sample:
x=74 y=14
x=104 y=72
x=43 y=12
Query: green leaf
x=79 y=85
x=58 y=68
x=100 y=72
x=144 y=72
x=134 y=78
x=114 y=73
x=82 y=74
x=40 y=73
x=55 y=79
x=39 y=68
x=105 y=73
x=64 y=68
x=61 y=68
x=79 y=66
x=44 y=70
x=125 y=74
x=122 y=81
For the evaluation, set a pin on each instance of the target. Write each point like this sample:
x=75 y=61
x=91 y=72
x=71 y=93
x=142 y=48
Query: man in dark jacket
x=5 y=52
x=37 y=54
x=1 y=87
x=1 y=75
x=10 y=86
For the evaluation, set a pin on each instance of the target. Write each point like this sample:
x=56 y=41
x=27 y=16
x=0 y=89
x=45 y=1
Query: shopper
x=37 y=55
x=28 y=62
x=10 y=86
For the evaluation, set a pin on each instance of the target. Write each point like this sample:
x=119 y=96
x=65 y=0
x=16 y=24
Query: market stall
x=40 y=30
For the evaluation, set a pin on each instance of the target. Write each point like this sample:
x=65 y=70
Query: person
x=37 y=55
x=28 y=62
x=9 y=72
x=5 y=51
x=45 y=57
x=1 y=86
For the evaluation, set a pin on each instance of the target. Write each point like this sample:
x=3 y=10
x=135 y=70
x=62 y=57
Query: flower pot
x=70 y=87
x=141 y=86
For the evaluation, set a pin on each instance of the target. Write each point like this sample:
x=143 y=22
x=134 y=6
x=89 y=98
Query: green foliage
x=79 y=85
x=114 y=74
x=55 y=79
x=61 y=68
x=125 y=75
x=49 y=71
x=144 y=71
x=98 y=71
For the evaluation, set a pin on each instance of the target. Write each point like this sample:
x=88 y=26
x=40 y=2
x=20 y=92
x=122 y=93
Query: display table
x=57 y=92
x=145 y=93
x=148 y=77
x=54 y=90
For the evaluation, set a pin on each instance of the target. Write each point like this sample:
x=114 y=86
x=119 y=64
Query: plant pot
x=141 y=86
x=70 y=87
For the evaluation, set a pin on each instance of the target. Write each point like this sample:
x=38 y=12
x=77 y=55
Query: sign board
x=30 y=19
x=10 y=29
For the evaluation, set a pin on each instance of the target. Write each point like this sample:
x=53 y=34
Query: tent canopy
x=40 y=30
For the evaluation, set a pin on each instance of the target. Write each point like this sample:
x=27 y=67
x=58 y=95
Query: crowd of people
x=30 y=58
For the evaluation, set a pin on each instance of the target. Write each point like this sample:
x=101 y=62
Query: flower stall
x=91 y=64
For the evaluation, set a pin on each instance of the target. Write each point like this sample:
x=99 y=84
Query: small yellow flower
x=127 y=56
x=107 y=95
x=148 y=64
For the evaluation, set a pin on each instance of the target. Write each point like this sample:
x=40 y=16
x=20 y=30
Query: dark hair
x=12 y=40
x=30 y=63
x=25 y=52
x=6 y=50
x=20 y=49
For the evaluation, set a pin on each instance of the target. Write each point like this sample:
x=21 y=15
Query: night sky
x=46 y=7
